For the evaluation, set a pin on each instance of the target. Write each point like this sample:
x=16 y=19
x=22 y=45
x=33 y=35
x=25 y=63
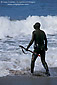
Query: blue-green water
x=21 y=9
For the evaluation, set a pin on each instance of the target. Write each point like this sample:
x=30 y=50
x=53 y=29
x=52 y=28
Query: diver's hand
x=26 y=49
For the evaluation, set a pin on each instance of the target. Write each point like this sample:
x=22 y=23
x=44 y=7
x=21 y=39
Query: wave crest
x=25 y=27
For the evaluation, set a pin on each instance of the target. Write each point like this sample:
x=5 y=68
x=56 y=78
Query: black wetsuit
x=40 y=46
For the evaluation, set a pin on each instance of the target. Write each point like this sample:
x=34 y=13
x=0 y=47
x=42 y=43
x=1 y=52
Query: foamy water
x=16 y=32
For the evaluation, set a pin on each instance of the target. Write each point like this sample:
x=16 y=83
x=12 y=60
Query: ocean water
x=17 y=18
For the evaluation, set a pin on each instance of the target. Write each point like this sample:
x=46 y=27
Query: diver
x=40 y=46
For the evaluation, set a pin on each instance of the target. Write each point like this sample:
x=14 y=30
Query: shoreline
x=27 y=80
x=39 y=78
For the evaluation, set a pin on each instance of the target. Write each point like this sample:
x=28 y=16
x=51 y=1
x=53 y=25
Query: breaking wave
x=25 y=27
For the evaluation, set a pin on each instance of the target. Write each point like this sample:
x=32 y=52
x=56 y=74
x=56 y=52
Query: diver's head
x=37 y=25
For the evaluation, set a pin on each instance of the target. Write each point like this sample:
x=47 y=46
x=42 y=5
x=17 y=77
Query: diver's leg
x=44 y=62
x=34 y=56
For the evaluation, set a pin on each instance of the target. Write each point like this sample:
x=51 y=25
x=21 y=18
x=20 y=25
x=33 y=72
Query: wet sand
x=30 y=80
x=26 y=80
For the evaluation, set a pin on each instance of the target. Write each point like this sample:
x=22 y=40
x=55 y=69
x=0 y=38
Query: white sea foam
x=11 y=57
x=18 y=27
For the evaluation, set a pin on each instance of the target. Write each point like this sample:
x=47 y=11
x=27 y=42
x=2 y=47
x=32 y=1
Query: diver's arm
x=45 y=43
x=31 y=42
